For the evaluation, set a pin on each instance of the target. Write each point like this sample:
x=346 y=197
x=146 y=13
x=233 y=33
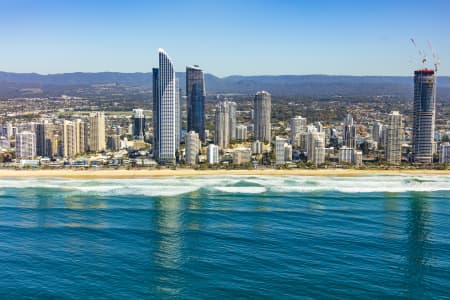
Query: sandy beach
x=146 y=173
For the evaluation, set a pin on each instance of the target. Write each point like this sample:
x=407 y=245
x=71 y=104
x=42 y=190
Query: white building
x=350 y=156
x=280 y=150
x=74 y=138
x=298 y=126
x=394 y=138
x=97 y=137
x=192 y=148
x=444 y=153
x=241 y=133
x=257 y=147
x=315 y=147
x=213 y=154
x=25 y=145
x=166 y=111
x=225 y=123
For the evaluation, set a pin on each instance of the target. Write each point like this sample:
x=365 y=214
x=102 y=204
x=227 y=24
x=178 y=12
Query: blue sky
x=246 y=37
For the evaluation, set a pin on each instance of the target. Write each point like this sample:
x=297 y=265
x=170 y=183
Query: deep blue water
x=226 y=237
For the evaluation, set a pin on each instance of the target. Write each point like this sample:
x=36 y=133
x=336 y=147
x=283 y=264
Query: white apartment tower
x=394 y=136
x=97 y=138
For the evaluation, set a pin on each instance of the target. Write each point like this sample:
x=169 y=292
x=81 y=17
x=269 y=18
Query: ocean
x=229 y=237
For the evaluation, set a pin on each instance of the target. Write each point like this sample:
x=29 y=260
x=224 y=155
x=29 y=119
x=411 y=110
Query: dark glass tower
x=424 y=115
x=138 y=124
x=196 y=94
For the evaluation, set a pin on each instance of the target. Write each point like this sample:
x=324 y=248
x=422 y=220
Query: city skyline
x=344 y=38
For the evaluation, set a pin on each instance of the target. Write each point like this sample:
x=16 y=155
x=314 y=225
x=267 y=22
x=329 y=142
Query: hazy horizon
x=225 y=76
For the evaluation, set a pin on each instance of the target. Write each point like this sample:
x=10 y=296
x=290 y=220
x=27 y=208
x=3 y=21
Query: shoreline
x=146 y=173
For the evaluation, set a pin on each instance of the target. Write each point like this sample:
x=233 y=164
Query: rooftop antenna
x=436 y=59
x=421 y=53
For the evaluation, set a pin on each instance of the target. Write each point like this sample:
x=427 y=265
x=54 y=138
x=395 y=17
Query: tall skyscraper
x=97 y=138
x=192 y=148
x=424 y=115
x=166 y=111
x=224 y=118
x=138 y=124
x=349 y=132
x=233 y=124
x=196 y=94
x=394 y=134
x=263 y=107
x=25 y=145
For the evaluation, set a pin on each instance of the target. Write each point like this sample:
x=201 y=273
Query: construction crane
x=436 y=59
x=422 y=54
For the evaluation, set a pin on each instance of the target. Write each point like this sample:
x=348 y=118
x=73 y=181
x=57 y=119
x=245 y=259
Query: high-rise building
x=444 y=153
x=263 y=108
x=41 y=141
x=196 y=94
x=25 y=145
x=224 y=118
x=257 y=147
x=377 y=129
x=113 y=142
x=241 y=132
x=166 y=111
x=233 y=109
x=394 y=135
x=315 y=147
x=178 y=115
x=288 y=152
x=192 y=148
x=350 y=156
x=424 y=115
x=298 y=125
x=349 y=137
x=280 y=150
x=75 y=138
x=138 y=124
x=213 y=154
x=97 y=139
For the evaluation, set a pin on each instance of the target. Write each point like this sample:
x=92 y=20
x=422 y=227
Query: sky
x=229 y=37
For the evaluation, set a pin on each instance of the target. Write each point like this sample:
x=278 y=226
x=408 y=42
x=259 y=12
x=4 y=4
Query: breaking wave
x=174 y=186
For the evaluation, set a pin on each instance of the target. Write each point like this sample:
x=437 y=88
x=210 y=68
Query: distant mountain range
x=281 y=85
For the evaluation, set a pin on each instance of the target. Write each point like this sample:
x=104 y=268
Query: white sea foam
x=241 y=189
x=236 y=184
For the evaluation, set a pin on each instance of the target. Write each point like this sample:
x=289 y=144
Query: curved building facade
x=424 y=115
x=165 y=113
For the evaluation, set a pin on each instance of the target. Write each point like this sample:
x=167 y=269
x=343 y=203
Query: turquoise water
x=226 y=237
